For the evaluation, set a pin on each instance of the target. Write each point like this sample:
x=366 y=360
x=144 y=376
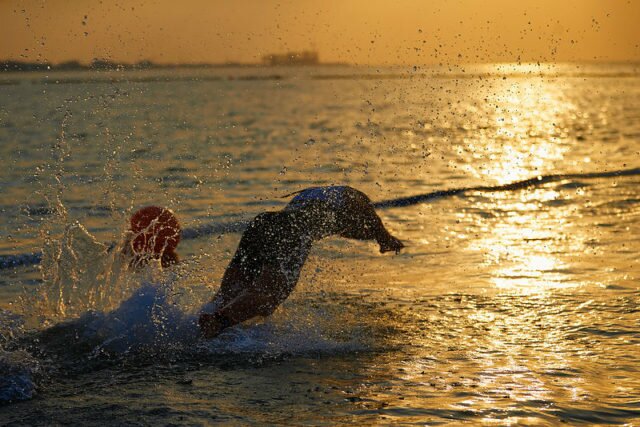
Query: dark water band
x=10 y=261
x=518 y=185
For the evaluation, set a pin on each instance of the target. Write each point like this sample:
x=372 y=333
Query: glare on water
x=526 y=131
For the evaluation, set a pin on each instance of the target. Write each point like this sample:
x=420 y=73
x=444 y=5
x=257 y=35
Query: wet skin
x=273 y=249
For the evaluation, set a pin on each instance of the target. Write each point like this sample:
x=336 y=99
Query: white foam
x=148 y=319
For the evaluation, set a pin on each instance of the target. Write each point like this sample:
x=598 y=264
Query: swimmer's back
x=275 y=240
x=334 y=196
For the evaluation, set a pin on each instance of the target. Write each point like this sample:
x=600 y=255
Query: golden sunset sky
x=380 y=32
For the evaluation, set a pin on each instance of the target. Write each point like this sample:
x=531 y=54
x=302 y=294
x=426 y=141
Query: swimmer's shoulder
x=263 y=235
x=268 y=222
x=265 y=218
x=333 y=195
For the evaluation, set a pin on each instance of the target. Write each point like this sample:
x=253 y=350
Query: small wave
x=513 y=186
x=573 y=185
x=610 y=332
x=12 y=261
x=596 y=415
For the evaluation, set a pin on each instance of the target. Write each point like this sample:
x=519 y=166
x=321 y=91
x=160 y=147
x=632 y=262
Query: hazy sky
x=356 y=31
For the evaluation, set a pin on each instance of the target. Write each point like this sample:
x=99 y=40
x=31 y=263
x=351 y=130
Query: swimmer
x=274 y=247
x=154 y=234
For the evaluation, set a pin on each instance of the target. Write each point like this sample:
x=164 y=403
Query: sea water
x=509 y=304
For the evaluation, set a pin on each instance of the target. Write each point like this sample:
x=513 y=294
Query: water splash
x=79 y=274
x=93 y=307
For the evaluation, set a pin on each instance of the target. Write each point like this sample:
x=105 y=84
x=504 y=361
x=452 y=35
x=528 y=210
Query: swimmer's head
x=155 y=231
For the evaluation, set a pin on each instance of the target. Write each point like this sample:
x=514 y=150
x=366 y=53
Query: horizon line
x=102 y=62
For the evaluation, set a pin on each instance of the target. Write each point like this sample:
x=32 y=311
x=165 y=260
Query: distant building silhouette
x=103 y=64
x=23 y=66
x=305 y=57
x=69 y=65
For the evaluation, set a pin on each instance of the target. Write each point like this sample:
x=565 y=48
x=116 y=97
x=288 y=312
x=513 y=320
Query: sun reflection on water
x=527 y=135
x=524 y=240
x=523 y=237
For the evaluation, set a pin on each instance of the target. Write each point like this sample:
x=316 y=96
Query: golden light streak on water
x=526 y=117
x=523 y=243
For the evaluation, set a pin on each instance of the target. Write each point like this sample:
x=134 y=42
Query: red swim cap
x=156 y=230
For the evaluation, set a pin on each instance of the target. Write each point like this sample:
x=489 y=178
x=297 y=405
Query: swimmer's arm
x=261 y=300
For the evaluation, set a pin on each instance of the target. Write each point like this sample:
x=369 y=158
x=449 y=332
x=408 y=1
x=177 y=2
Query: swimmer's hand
x=391 y=244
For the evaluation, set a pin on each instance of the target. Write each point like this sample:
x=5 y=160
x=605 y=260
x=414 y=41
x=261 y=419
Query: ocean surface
x=510 y=304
